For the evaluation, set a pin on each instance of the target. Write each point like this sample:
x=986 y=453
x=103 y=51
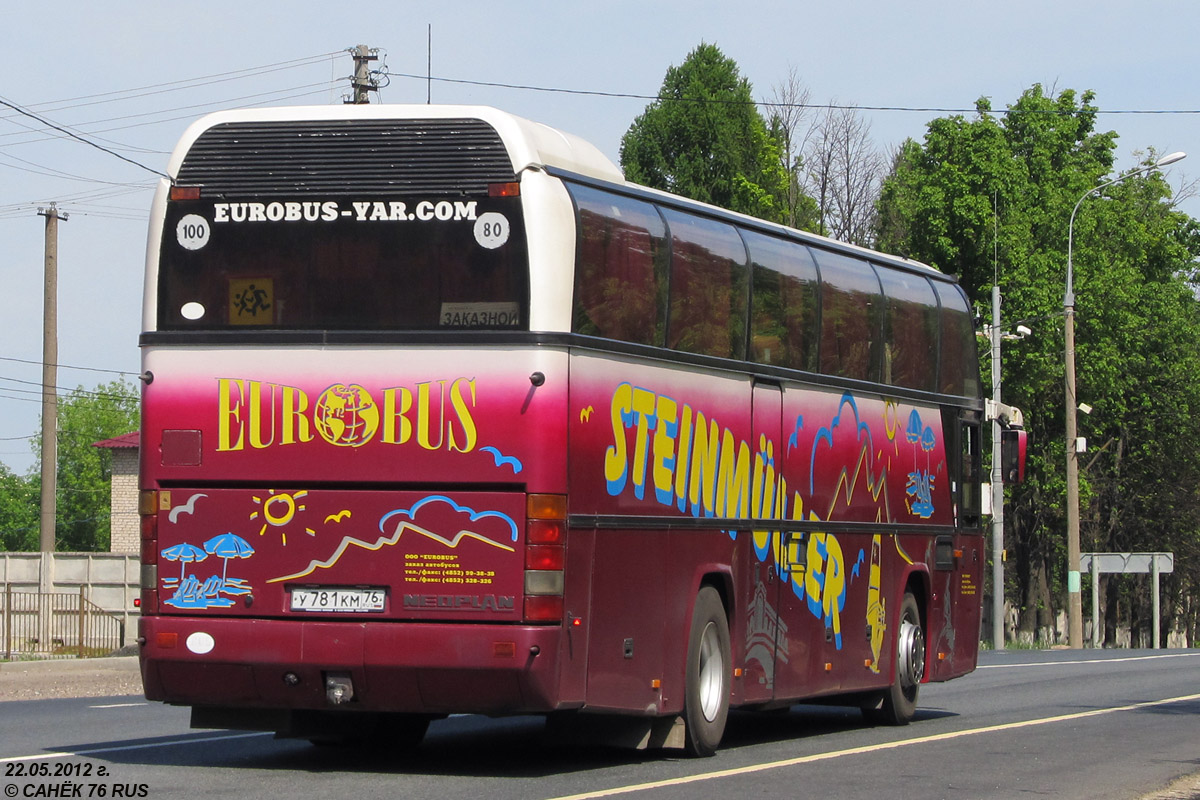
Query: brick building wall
x=125 y=526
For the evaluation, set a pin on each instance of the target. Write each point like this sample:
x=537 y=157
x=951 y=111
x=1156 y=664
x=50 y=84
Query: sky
x=130 y=76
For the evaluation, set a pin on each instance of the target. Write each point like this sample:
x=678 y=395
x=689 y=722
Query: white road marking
x=1089 y=661
x=874 y=748
x=127 y=747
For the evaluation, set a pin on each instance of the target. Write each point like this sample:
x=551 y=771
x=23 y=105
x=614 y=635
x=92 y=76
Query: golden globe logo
x=346 y=416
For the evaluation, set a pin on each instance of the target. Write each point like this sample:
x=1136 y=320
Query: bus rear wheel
x=900 y=700
x=709 y=675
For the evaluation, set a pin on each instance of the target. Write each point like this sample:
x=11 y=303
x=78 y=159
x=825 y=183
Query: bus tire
x=709 y=675
x=900 y=700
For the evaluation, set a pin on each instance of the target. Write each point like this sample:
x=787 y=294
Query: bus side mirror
x=1013 y=443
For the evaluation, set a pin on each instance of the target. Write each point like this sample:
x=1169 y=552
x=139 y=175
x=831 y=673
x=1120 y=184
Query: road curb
x=1185 y=788
x=116 y=664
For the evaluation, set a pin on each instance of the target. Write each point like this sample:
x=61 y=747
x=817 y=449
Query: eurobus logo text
x=437 y=415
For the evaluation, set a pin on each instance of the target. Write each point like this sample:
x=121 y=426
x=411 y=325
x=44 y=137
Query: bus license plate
x=341 y=600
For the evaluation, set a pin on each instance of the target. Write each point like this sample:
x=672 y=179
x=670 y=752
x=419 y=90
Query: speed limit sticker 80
x=491 y=230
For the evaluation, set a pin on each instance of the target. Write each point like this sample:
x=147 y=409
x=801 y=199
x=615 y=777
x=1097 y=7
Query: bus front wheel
x=709 y=671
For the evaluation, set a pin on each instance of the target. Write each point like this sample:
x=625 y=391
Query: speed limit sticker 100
x=192 y=232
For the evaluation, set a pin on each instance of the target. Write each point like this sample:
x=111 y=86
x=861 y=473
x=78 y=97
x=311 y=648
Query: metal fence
x=56 y=625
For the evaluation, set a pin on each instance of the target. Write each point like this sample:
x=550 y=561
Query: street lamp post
x=997 y=486
x=1002 y=416
x=1074 y=598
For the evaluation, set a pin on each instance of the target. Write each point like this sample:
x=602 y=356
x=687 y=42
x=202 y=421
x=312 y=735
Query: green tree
x=18 y=512
x=1142 y=328
x=990 y=198
x=704 y=139
x=83 y=499
x=85 y=471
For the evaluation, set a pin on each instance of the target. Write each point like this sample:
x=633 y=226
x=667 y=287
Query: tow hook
x=339 y=688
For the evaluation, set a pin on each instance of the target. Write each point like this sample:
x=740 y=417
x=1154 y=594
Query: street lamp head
x=1170 y=159
x=1024 y=330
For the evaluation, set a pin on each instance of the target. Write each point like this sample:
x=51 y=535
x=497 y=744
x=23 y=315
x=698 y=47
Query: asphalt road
x=1064 y=724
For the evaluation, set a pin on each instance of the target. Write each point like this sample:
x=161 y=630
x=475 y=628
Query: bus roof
x=766 y=226
x=529 y=144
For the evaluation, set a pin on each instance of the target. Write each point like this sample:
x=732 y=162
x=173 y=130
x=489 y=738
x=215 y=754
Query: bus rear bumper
x=423 y=668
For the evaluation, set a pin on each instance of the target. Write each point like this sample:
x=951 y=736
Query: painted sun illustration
x=278 y=510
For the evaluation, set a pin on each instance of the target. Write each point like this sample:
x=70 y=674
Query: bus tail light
x=546 y=531
x=148 y=512
x=545 y=556
x=185 y=192
x=543 y=608
x=504 y=189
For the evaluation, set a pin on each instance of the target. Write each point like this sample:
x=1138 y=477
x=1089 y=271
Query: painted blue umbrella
x=227 y=546
x=928 y=440
x=915 y=427
x=184 y=553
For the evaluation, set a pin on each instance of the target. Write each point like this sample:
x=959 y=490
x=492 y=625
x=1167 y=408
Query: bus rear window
x=387 y=264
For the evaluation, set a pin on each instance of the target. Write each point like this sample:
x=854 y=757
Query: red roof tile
x=128 y=440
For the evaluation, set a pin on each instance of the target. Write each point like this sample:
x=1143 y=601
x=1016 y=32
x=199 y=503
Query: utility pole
x=997 y=485
x=362 y=81
x=49 y=395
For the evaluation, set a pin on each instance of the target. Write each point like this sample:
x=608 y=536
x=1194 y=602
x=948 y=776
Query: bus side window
x=970 y=507
x=958 y=360
x=851 y=316
x=783 y=306
x=708 y=287
x=910 y=329
x=620 y=271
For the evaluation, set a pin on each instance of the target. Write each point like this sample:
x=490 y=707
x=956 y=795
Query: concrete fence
x=105 y=582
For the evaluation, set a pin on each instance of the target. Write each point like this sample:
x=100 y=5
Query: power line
x=224 y=103
x=41 y=136
x=37 y=399
x=68 y=366
x=78 y=390
x=86 y=141
x=274 y=96
x=80 y=200
x=204 y=80
x=65 y=523
x=768 y=104
x=145 y=91
x=130 y=217
x=76 y=435
x=50 y=172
